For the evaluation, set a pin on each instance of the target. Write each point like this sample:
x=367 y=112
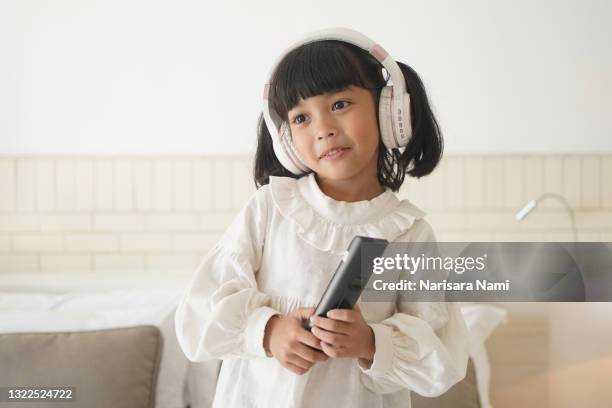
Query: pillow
x=78 y=311
x=481 y=320
x=107 y=368
x=464 y=394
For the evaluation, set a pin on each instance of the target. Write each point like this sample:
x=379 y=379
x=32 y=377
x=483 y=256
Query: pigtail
x=266 y=163
x=424 y=151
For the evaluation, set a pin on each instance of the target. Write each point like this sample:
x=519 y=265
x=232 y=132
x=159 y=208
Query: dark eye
x=340 y=105
x=299 y=119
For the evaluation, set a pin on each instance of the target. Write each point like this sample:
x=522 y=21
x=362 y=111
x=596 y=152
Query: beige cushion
x=464 y=394
x=108 y=368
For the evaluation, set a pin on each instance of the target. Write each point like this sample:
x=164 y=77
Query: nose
x=327 y=128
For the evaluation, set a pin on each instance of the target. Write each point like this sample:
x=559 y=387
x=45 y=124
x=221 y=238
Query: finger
x=328 y=337
x=346 y=315
x=304 y=312
x=310 y=355
x=309 y=339
x=297 y=360
x=336 y=326
x=332 y=351
x=295 y=369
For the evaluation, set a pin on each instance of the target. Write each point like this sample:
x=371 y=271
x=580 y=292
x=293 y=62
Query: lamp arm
x=569 y=209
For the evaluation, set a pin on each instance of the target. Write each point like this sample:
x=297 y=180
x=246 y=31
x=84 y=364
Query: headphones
x=393 y=106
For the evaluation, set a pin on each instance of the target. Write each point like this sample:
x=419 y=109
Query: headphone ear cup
x=385 y=117
x=394 y=132
x=406 y=113
x=284 y=134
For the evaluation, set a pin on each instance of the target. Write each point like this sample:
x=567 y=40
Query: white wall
x=140 y=77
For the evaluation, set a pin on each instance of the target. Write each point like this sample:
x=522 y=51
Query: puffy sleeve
x=423 y=347
x=222 y=313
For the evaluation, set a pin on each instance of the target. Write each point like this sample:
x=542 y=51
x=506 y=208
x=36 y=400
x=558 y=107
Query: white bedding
x=87 y=302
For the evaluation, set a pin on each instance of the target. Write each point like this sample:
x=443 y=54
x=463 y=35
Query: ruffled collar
x=330 y=225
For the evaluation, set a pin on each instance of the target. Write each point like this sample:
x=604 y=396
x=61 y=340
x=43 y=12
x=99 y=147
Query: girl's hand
x=287 y=340
x=345 y=333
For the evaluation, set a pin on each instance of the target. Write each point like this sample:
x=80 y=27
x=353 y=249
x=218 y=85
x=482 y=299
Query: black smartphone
x=348 y=280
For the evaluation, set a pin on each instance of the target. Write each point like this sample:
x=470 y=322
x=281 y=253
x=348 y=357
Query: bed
x=104 y=307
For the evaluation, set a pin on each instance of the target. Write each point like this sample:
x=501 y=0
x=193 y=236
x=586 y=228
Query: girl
x=327 y=165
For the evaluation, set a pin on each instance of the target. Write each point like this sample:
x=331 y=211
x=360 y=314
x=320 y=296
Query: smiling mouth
x=334 y=153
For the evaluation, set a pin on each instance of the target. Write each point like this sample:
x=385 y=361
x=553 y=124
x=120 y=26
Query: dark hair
x=328 y=66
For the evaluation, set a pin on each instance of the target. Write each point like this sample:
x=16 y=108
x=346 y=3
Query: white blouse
x=278 y=254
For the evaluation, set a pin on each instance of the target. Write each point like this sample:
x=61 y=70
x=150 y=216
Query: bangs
x=320 y=67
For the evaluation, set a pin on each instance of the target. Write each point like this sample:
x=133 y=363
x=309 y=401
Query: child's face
x=344 y=119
